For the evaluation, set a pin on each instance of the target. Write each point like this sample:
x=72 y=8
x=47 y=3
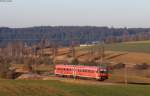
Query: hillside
x=129 y=52
x=57 y=88
x=139 y=46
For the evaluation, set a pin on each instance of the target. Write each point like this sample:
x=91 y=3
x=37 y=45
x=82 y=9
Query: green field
x=130 y=47
x=58 y=88
x=139 y=46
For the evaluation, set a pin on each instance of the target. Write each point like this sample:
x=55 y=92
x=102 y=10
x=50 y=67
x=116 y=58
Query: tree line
x=66 y=34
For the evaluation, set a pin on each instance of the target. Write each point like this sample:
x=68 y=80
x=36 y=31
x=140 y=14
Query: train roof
x=78 y=67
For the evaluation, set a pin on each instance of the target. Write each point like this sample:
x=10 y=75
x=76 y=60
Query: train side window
x=80 y=70
x=86 y=70
x=91 y=71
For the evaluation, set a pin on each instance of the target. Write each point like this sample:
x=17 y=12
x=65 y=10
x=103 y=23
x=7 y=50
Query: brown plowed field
x=131 y=58
x=111 y=56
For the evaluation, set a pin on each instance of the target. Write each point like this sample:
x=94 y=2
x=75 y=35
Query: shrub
x=91 y=63
x=142 y=66
x=75 y=61
x=10 y=74
x=4 y=68
x=119 y=66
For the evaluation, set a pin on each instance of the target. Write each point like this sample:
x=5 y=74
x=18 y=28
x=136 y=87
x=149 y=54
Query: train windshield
x=103 y=71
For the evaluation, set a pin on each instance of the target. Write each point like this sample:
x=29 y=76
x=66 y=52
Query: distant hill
x=66 y=34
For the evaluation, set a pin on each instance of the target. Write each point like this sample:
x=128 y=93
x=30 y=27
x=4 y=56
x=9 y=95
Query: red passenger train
x=82 y=71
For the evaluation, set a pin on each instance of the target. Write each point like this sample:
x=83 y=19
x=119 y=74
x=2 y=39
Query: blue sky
x=117 y=13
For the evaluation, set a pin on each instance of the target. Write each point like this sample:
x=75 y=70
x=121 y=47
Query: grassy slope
x=130 y=47
x=138 y=46
x=147 y=41
x=56 y=88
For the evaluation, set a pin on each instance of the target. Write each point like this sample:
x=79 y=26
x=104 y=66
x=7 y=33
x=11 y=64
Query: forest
x=66 y=34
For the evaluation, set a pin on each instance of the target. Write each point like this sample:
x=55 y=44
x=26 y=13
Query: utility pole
x=54 y=52
x=125 y=75
x=102 y=52
x=73 y=50
x=74 y=57
x=91 y=53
